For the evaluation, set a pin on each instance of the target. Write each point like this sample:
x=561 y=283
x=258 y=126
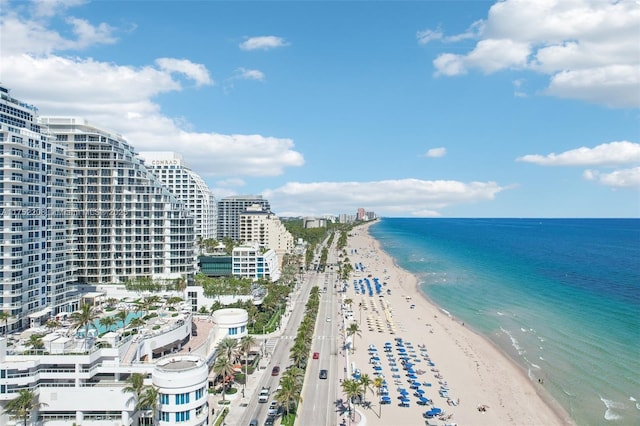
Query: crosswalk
x=315 y=337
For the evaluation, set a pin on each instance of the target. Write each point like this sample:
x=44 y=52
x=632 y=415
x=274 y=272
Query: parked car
x=270 y=421
x=323 y=374
x=316 y=355
x=253 y=422
x=275 y=371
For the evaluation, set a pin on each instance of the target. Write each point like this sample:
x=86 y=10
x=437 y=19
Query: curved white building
x=187 y=186
x=182 y=390
x=127 y=224
x=231 y=322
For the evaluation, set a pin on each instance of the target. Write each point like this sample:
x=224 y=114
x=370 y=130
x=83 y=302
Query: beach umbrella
x=423 y=401
x=403 y=391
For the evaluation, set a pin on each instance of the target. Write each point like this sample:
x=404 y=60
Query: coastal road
x=319 y=396
x=280 y=355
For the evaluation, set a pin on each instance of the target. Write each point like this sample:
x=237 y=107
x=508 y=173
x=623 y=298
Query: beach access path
x=481 y=385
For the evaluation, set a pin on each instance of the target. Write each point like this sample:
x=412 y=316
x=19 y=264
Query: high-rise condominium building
x=188 y=187
x=36 y=227
x=128 y=225
x=265 y=229
x=229 y=209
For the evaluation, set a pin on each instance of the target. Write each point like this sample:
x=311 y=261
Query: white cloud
x=246 y=74
x=386 y=198
x=230 y=183
x=436 y=152
x=625 y=178
x=120 y=98
x=427 y=36
x=196 y=72
x=609 y=154
x=32 y=36
x=588 y=48
x=263 y=43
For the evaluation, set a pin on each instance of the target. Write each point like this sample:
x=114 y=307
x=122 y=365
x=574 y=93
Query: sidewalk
x=238 y=403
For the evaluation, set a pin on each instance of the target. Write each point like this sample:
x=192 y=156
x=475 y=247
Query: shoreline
x=477 y=371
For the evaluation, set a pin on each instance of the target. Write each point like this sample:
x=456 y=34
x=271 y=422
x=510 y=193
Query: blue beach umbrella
x=423 y=401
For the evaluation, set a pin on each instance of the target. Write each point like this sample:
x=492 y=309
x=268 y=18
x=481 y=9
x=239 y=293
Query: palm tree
x=136 y=322
x=149 y=400
x=353 y=330
x=22 y=406
x=227 y=347
x=365 y=383
x=108 y=322
x=135 y=385
x=5 y=316
x=299 y=353
x=223 y=366
x=172 y=301
x=377 y=383
x=352 y=389
x=246 y=343
x=52 y=323
x=122 y=316
x=84 y=318
x=35 y=341
x=290 y=392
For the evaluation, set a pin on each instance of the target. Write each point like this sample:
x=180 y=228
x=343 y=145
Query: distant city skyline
x=405 y=109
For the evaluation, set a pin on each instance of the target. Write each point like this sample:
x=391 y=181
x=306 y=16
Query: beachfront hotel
x=188 y=187
x=127 y=224
x=229 y=210
x=79 y=377
x=36 y=227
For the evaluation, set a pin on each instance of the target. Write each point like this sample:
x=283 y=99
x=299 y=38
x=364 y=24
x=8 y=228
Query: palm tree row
x=357 y=388
x=293 y=377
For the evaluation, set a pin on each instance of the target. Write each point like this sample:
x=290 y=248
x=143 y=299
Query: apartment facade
x=229 y=209
x=265 y=228
x=252 y=261
x=188 y=187
x=127 y=223
x=36 y=221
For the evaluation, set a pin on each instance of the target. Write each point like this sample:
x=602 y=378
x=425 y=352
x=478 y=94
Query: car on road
x=273 y=409
x=270 y=421
x=328 y=319
x=323 y=374
x=275 y=371
x=253 y=422
x=316 y=355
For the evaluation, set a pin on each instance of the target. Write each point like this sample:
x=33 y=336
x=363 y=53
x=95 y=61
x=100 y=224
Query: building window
x=164 y=398
x=182 y=416
x=182 y=398
x=233 y=331
x=164 y=416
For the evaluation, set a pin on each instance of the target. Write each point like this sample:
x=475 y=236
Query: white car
x=328 y=319
x=273 y=409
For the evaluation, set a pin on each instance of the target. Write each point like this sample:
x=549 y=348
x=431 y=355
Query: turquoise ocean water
x=560 y=296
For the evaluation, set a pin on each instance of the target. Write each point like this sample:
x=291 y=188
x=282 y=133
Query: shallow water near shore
x=559 y=296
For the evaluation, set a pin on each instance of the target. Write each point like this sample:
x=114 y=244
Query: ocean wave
x=610 y=406
x=514 y=342
x=499 y=313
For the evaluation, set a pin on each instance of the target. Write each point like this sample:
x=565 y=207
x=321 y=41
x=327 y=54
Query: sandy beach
x=446 y=355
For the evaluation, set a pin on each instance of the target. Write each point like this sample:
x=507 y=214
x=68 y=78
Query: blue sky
x=515 y=108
